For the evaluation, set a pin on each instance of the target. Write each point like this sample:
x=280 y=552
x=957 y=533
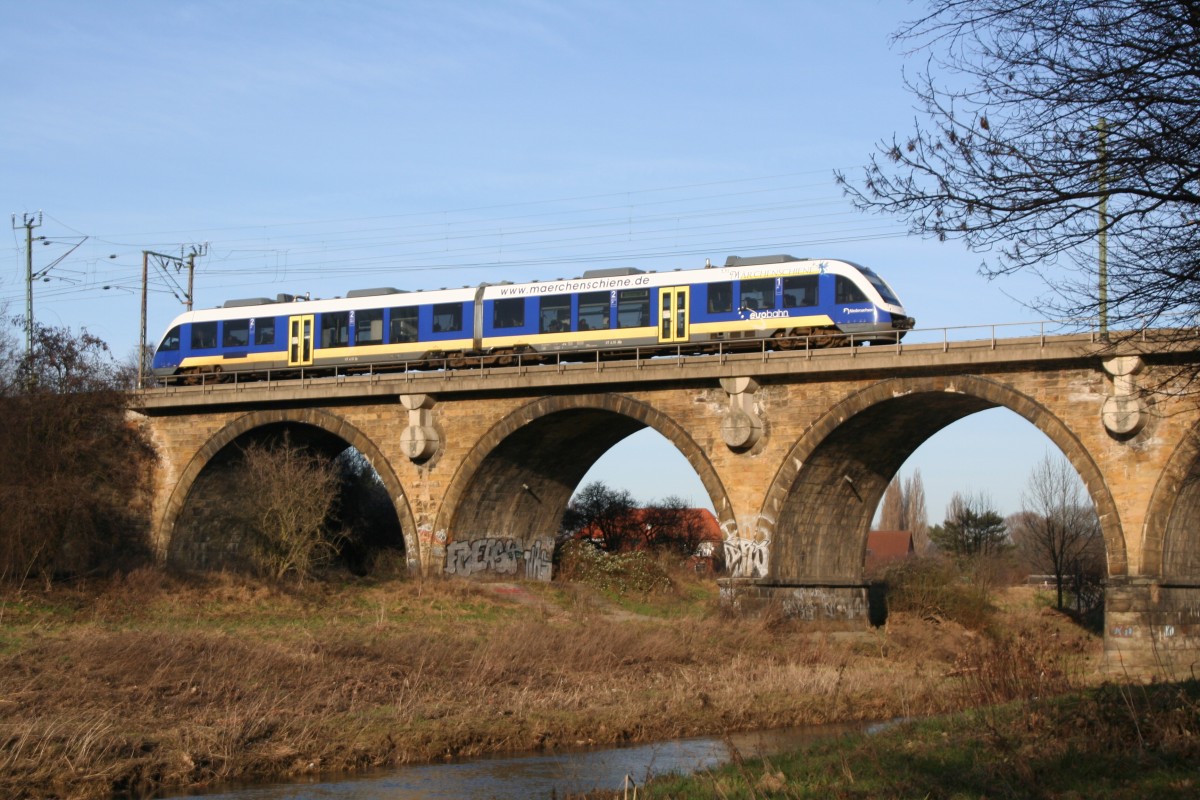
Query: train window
x=204 y=335
x=335 y=329
x=758 y=294
x=801 y=291
x=846 y=292
x=235 y=333
x=633 y=308
x=554 y=314
x=263 y=329
x=593 y=311
x=368 y=326
x=720 y=297
x=508 y=313
x=403 y=325
x=447 y=317
x=170 y=342
x=681 y=315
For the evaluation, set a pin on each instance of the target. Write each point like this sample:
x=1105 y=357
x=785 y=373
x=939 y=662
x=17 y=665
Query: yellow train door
x=300 y=341
x=673 y=314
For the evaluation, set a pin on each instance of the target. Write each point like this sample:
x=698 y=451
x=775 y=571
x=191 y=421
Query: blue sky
x=320 y=147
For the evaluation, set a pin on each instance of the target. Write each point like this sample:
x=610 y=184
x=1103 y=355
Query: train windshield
x=881 y=286
x=170 y=342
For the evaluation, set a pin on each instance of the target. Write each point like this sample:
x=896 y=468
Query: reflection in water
x=542 y=776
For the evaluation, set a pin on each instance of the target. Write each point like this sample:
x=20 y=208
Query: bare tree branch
x=1007 y=154
x=1057 y=530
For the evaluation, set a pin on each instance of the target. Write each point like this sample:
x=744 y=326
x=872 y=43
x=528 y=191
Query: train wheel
x=783 y=340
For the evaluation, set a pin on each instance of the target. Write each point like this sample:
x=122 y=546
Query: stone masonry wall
x=762 y=445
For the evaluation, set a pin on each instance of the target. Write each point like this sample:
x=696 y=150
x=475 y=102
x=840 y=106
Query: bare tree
x=917 y=512
x=1045 y=125
x=10 y=362
x=892 y=517
x=1058 y=530
x=606 y=513
x=904 y=509
x=73 y=471
x=671 y=524
x=291 y=497
x=365 y=513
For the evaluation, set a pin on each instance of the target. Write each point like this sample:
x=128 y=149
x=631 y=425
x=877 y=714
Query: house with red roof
x=888 y=547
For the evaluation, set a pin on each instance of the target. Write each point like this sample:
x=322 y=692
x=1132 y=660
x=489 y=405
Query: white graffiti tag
x=499 y=555
x=539 y=561
x=813 y=604
x=483 y=555
x=745 y=558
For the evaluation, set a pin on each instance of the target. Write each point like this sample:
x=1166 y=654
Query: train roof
x=287 y=305
x=592 y=280
x=608 y=280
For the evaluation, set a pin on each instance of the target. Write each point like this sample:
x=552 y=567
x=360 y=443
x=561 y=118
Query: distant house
x=695 y=527
x=886 y=547
x=710 y=552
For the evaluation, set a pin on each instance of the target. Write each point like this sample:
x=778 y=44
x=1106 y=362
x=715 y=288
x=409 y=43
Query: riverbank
x=1112 y=742
x=152 y=681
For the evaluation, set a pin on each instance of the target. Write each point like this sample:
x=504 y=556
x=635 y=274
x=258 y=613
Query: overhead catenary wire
x=651 y=225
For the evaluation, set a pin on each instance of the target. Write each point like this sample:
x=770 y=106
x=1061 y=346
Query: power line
x=645 y=228
x=496 y=206
x=460 y=229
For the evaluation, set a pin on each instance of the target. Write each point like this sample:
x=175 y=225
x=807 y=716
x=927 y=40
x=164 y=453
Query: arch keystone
x=420 y=440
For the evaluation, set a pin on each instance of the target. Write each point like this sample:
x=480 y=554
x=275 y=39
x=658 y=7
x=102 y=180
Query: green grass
x=689 y=601
x=1111 y=742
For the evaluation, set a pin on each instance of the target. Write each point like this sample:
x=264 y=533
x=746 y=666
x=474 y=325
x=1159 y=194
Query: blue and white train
x=739 y=304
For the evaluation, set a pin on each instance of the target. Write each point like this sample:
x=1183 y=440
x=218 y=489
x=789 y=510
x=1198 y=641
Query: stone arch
x=325 y=421
x=833 y=478
x=513 y=485
x=1170 y=539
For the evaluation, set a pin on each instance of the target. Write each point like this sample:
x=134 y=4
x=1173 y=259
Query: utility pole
x=161 y=262
x=1102 y=154
x=197 y=250
x=141 y=382
x=28 y=223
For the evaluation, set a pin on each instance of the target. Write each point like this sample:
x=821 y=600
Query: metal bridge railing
x=991 y=336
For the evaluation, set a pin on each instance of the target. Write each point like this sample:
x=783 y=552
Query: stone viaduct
x=794 y=449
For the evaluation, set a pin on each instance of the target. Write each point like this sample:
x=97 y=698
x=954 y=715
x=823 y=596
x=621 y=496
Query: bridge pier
x=1151 y=629
x=833 y=605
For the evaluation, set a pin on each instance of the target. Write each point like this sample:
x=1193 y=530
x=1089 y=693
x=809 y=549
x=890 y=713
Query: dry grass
x=152 y=681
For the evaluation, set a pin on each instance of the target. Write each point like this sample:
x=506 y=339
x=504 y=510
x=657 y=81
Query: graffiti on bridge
x=501 y=556
x=813 y=604
x=745 y=558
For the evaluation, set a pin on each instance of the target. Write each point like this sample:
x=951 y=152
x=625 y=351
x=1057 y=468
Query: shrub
x=73 y=469
x=1024 y=666
x=939 y=588
x=636 y=572
x=292 y=496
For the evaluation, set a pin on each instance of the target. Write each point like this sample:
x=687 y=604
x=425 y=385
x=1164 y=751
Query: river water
x=544 y=775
